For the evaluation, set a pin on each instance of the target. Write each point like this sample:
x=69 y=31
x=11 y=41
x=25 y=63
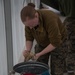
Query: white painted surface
x=17 y=30
x=3 y=53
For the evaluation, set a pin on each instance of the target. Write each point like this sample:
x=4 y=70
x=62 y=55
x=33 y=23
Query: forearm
x=48 y=49
x=29 y=45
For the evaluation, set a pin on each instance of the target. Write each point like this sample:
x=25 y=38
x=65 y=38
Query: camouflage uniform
x=58 y=58
x=44 y=58
x=70 y=62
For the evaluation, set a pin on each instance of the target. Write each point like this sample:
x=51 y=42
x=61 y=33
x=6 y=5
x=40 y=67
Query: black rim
x=31 y=67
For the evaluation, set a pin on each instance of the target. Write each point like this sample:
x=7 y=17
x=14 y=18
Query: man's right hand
x=26 y=52
x=28 y=55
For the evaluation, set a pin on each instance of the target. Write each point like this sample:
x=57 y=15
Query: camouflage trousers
x=58 y=58
x=70 y=61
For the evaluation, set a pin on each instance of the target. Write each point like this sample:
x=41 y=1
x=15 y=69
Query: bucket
x=31 y=68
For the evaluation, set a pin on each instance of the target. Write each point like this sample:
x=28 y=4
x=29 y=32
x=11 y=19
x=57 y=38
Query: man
x=47 y=29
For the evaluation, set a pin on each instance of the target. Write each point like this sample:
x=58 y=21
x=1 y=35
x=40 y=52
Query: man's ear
x=36 y=15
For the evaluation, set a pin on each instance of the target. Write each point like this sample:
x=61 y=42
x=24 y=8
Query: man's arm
x=29 y=45
x=48 y=49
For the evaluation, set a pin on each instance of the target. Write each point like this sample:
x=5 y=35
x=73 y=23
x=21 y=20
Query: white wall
x=17 y=29
x=36 y=2
x=3 y=53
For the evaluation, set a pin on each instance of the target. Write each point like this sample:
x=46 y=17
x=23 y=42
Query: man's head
x=29 y=16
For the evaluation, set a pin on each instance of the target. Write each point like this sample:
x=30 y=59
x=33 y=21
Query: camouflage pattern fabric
x=69 y=22
x=58 y=58
x=44 y=58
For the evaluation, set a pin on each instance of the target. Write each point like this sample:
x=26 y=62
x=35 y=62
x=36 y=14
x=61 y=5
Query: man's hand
x=26 y=52
x=36 y=56
x=28 y=55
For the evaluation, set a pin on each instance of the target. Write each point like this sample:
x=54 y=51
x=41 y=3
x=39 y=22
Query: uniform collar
x=40 y=27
